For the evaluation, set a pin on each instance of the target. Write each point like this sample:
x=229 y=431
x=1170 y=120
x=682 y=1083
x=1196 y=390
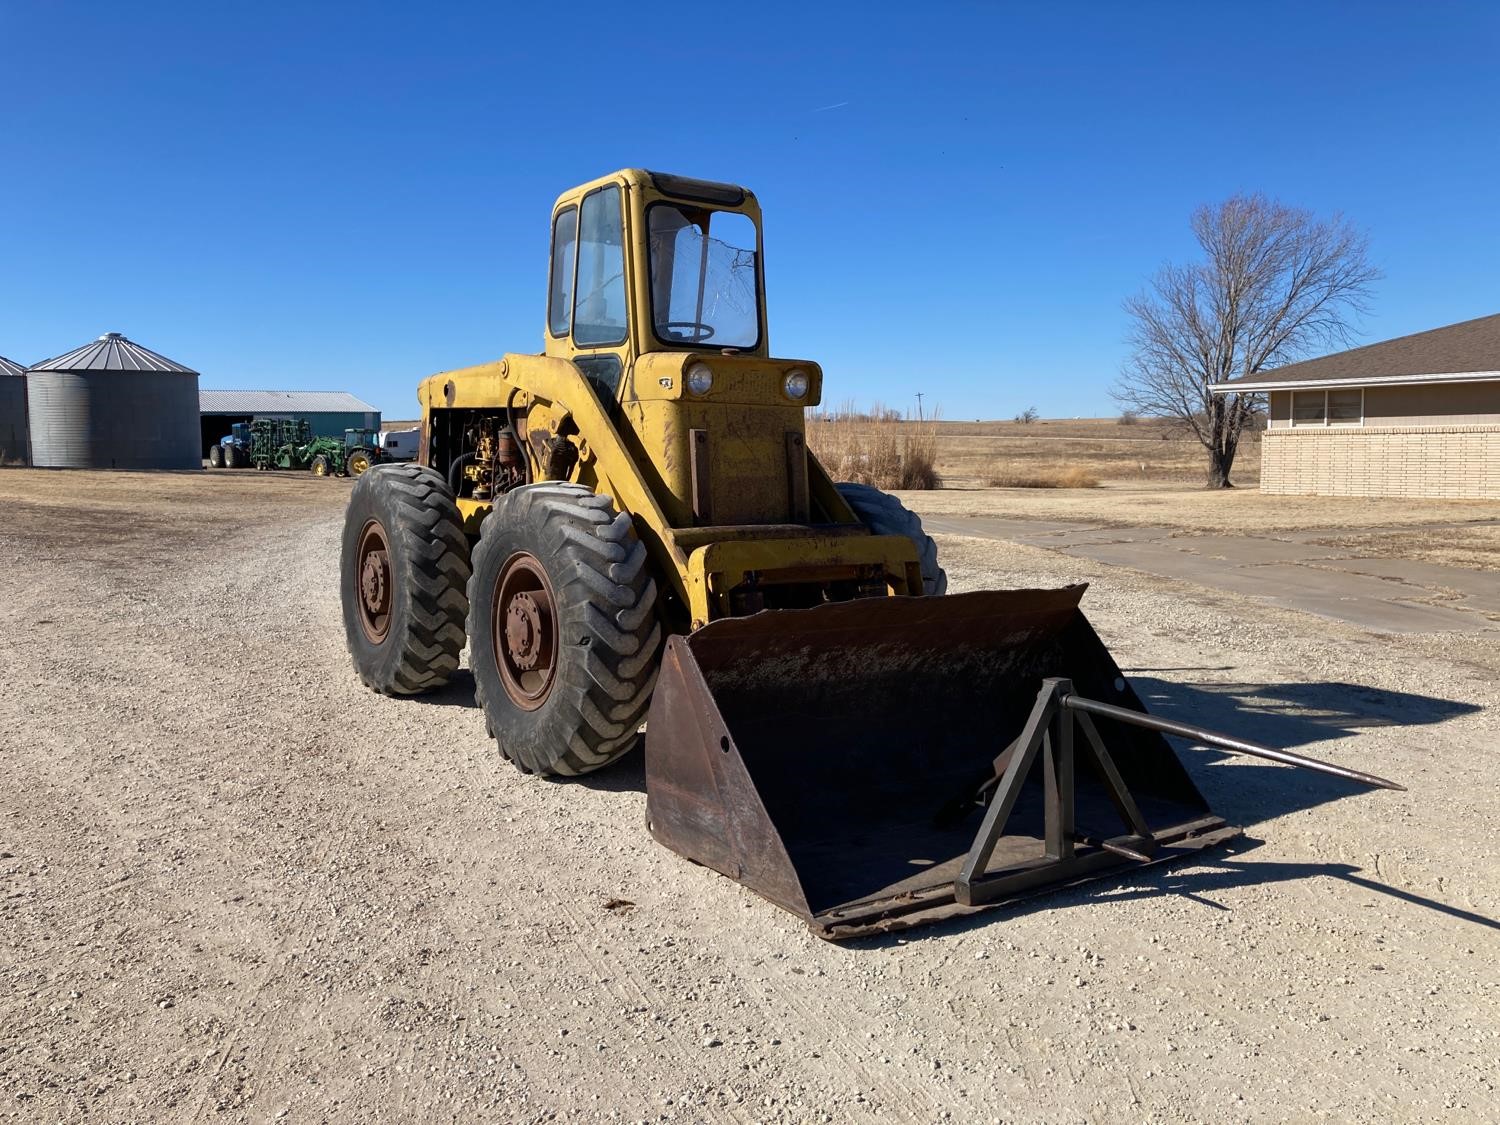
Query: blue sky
x=957 y=196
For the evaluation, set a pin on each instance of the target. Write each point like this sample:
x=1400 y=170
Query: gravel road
x=236 y=886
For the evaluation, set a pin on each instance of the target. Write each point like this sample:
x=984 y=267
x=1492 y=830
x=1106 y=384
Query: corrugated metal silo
x=113 y=404
x=13 y=439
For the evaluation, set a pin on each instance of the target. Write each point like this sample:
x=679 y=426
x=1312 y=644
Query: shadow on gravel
x=1228 y=874
x=1287 y=715
x=1284 y=716
x=1196 y=880
x=457 y=692
x=628 y=775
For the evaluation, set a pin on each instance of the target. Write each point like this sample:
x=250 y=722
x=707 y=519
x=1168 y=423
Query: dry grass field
x=974 y=453
x=1052 y=453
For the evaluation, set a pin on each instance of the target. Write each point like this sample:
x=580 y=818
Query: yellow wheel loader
x=630 y=525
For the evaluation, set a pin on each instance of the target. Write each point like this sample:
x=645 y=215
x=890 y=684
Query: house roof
x=112 y=352
x=281 y=402
x=1466 y=352
x=10 y=367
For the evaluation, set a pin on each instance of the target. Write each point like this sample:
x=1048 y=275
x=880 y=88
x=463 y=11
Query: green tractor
x=326 y=457
x=362 y=450
x=287 y=443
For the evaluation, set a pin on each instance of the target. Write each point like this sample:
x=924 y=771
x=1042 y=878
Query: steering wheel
x=700 y=330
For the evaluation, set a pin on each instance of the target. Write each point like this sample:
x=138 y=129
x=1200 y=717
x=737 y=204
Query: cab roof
x=668 y=183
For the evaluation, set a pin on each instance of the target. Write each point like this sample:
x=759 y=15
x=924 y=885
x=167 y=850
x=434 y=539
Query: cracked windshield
x=703 y=276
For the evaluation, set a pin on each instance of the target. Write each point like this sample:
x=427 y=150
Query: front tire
x=884 y=514
x=563 y=632
x=216 y=456
x=404 y=577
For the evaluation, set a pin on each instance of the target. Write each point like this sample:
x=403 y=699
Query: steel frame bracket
x=1049 y=732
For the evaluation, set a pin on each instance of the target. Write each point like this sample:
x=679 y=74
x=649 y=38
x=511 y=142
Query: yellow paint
x=718 y=568
x=637 y=449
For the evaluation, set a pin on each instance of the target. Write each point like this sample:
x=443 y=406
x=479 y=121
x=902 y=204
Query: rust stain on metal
x=852 y=763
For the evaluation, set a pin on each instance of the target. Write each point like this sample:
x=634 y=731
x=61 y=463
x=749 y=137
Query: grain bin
x=113 y=404
x=13 y=439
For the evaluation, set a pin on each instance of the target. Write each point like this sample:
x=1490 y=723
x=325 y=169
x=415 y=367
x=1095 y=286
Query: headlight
x=700 y=378
x=796 y=384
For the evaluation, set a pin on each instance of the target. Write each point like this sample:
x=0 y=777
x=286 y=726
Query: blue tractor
x=232 y=451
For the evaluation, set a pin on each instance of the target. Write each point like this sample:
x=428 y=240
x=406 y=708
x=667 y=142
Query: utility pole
x=919 y=406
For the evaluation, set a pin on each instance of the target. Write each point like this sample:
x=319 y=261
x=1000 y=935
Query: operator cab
x=692 y=283
x=361 y=439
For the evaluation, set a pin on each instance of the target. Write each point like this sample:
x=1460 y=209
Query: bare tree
x=1276 y=284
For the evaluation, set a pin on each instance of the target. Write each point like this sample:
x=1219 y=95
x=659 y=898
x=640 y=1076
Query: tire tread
x=601 y=698
x=884 y=514
x=430 y=529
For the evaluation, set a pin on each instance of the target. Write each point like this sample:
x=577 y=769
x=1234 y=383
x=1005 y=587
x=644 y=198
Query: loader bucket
x=844 y=762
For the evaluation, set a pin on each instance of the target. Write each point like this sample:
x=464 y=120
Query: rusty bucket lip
x=373 y=540
x=875 y=917
x=862 y=612
x=505 y=590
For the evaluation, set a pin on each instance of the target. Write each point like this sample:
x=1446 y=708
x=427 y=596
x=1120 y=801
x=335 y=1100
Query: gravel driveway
x=236 y=886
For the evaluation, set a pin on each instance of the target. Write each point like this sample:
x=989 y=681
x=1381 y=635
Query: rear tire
x=884 y=514
x=216 y=456
x=404 y=577
x=564 y=640
x=359 y=462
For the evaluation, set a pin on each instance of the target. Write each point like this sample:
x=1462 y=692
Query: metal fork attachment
x=1050 y=732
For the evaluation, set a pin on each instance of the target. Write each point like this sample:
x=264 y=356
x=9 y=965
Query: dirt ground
x=1475 y=547
x=236 y=886
x=1191 y=508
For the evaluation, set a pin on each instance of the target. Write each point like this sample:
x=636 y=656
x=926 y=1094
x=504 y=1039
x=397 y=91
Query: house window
x=1328 y=408
x=1309 y=408
x=1346 y=408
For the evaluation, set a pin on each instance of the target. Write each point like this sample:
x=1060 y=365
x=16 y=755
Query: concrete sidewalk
x=1387 y=595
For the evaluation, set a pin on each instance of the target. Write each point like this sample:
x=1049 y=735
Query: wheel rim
x=358 y=464
x=372 y=570
x=320 y=468
x=523 y=623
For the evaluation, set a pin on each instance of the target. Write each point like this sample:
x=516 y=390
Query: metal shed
x=14 y=443
x=113 y=404
x=328 y=413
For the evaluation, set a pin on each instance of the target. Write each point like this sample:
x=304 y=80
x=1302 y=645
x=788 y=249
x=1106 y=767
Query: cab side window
x=564 y=254
x=600 y=319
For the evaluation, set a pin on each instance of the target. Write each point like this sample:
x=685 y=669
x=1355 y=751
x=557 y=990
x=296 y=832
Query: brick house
x=1414 y=416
